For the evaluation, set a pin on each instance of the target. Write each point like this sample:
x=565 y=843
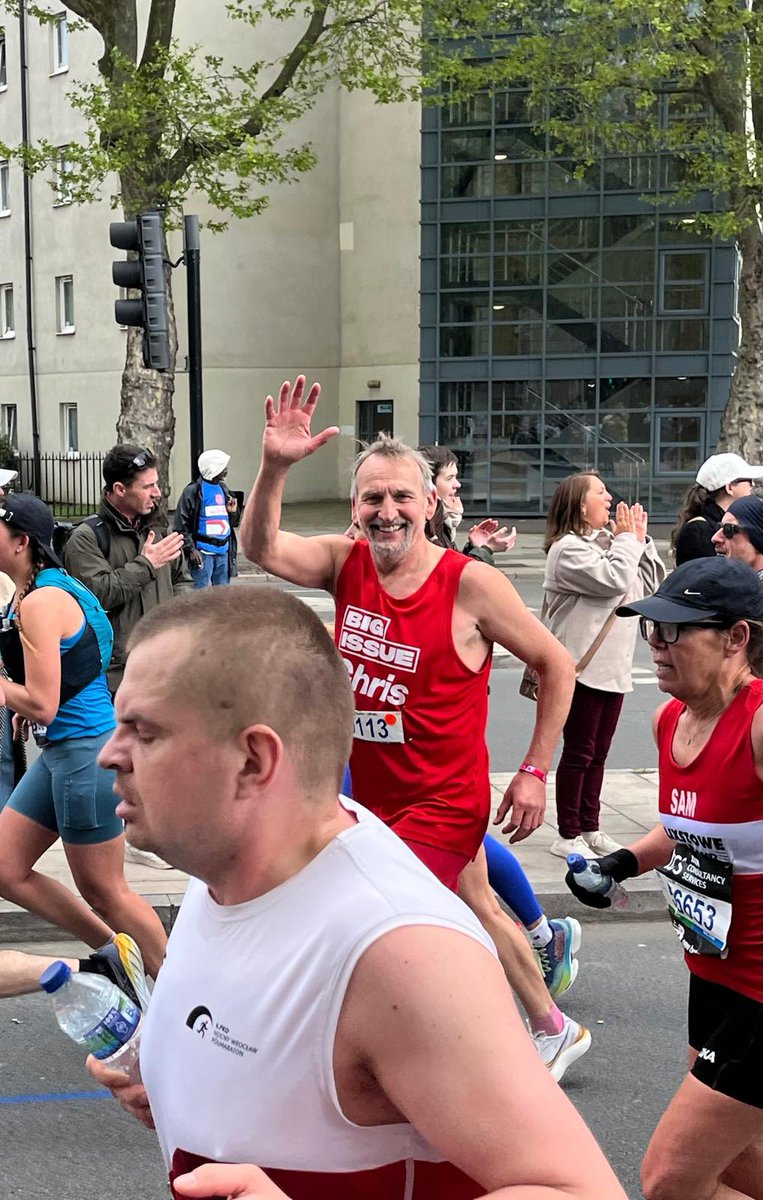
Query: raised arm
x=501 y=616
x=310 y=562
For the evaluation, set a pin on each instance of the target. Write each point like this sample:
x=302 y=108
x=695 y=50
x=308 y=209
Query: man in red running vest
x=415 y=626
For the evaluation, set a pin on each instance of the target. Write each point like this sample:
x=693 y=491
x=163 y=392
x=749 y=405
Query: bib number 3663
x=382 y=727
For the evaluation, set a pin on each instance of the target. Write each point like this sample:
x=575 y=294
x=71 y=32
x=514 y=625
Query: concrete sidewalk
x=525 y=561
x=629 y=809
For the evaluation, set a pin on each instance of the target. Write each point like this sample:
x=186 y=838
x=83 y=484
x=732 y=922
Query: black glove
x=621 y=865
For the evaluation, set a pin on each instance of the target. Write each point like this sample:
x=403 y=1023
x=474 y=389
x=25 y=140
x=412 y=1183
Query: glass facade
x=567 y=323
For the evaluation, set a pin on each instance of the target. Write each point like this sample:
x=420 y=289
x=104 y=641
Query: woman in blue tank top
x=55 y=643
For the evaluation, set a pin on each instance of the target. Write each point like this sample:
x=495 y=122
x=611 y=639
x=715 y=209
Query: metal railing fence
x=71 y=484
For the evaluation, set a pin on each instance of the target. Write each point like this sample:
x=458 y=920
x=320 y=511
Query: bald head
x=256 y=655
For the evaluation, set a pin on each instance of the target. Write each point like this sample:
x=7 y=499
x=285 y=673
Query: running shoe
x=145 y=858
x=557 y=961
x=562 y=847
x=601 y=843
x=561 y=1050
x=122 y=962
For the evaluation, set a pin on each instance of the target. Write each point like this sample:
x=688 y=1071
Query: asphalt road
x=64 y=1139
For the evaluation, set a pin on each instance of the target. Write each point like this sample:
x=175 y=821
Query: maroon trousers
x=588 y=735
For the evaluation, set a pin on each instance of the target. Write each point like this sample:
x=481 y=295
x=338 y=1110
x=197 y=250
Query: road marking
x=50 y=1097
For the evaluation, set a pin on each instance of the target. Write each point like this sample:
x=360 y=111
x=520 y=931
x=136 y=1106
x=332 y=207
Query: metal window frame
x=7 y=331
x=63 y=327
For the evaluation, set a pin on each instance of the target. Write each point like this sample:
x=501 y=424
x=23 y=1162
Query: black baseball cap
x=28 y=514
x=704 y=589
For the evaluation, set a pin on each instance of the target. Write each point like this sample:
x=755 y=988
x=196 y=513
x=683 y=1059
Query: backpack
x=63 y=530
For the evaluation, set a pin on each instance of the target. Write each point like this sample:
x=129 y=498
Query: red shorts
x=447 y=865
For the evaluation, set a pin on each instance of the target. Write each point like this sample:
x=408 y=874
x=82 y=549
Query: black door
x=374 y=417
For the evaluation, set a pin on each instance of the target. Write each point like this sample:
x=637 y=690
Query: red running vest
x=715 y=805
x=431 y=786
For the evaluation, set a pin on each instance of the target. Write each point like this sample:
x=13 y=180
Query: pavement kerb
x=646 y=898
x=18 y=925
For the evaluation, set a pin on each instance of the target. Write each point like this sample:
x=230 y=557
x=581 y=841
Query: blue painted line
x=51 y=1097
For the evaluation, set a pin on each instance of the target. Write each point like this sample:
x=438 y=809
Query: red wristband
x=529 y=769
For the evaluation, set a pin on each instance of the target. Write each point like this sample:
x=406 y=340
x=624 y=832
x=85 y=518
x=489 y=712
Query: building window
x=69 y=429
x=5 y=189
x=7 y=322
x=62 y=169
x=3 y=63
x=65 y=304
x=9 y=425
x=683 y=281
x=59 y=44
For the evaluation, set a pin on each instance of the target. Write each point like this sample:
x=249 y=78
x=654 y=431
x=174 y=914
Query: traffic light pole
x=192 y=257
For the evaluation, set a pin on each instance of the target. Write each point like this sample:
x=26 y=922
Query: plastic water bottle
x=96 y=1014
x=588 y=875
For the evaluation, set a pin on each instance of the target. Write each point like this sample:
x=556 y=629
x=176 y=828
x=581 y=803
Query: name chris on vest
x=363 y=634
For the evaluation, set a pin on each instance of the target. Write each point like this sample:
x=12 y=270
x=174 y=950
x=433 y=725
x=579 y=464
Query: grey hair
x=391 y=447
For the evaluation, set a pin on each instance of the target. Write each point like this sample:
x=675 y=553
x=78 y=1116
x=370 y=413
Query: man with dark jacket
x=123 y=558
x=206 y=516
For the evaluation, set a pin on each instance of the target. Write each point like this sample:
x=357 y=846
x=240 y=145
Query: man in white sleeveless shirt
x=327 y=1010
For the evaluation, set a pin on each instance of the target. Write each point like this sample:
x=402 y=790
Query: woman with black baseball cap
x=704 y=626
x=56 y=644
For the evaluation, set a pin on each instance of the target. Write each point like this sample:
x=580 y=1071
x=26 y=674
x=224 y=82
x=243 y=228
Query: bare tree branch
x=310 y=38
x=159 y=31
x=193 y=150
x=117 y=23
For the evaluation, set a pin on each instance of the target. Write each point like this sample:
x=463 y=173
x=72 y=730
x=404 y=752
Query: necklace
x=691 y=738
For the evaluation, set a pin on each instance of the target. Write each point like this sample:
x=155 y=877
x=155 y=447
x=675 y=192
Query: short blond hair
x=391 y=447
x=258 y=655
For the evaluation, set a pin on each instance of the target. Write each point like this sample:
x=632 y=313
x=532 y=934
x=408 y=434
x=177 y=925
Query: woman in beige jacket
x=593 y=566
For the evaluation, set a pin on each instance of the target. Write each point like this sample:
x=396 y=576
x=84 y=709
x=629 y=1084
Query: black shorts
x=726 y=1030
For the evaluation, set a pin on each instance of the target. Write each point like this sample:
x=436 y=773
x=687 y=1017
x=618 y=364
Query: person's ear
x=738 y=638
x=263 y=755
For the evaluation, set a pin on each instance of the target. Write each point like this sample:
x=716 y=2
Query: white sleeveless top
x=237 y=1047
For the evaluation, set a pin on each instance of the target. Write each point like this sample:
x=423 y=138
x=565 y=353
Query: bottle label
x=114 y=1029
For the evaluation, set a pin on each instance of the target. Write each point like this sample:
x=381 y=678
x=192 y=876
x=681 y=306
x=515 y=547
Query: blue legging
x=507 y=878
x=504 y=872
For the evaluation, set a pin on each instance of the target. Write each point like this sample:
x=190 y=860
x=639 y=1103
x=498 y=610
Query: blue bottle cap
x=55 y=976
x=576 y=863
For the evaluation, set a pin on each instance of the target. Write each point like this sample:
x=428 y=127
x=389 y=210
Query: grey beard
x=384 y=554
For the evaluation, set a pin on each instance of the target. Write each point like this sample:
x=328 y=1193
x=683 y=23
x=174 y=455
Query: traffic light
x=145 y=273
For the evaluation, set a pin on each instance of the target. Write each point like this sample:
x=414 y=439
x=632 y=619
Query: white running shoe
x=601 y=843
x=560 y=1050
x=564 y=846
x=144 y=858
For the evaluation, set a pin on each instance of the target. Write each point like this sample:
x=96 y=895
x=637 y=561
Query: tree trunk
x=742 y=425
x=146 y=415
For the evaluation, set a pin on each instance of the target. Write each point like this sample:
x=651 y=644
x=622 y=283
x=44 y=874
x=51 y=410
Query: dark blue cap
x=748 y=511
x=718 y=588
x=55 y=976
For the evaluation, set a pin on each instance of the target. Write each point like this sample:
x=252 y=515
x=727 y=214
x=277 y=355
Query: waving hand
x=287 y=438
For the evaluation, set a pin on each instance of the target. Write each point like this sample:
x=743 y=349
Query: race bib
x=380 y=727
x=697 y=888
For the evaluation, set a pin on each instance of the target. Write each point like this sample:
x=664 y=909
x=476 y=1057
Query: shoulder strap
x=596 y=643
x=102 y=533
x=90 y=605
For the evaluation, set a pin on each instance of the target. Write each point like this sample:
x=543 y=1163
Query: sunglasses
x=142 y=460
x=668 y=632
x=730 y=530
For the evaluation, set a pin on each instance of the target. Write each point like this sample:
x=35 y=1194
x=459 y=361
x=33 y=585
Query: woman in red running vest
x=705 y=630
